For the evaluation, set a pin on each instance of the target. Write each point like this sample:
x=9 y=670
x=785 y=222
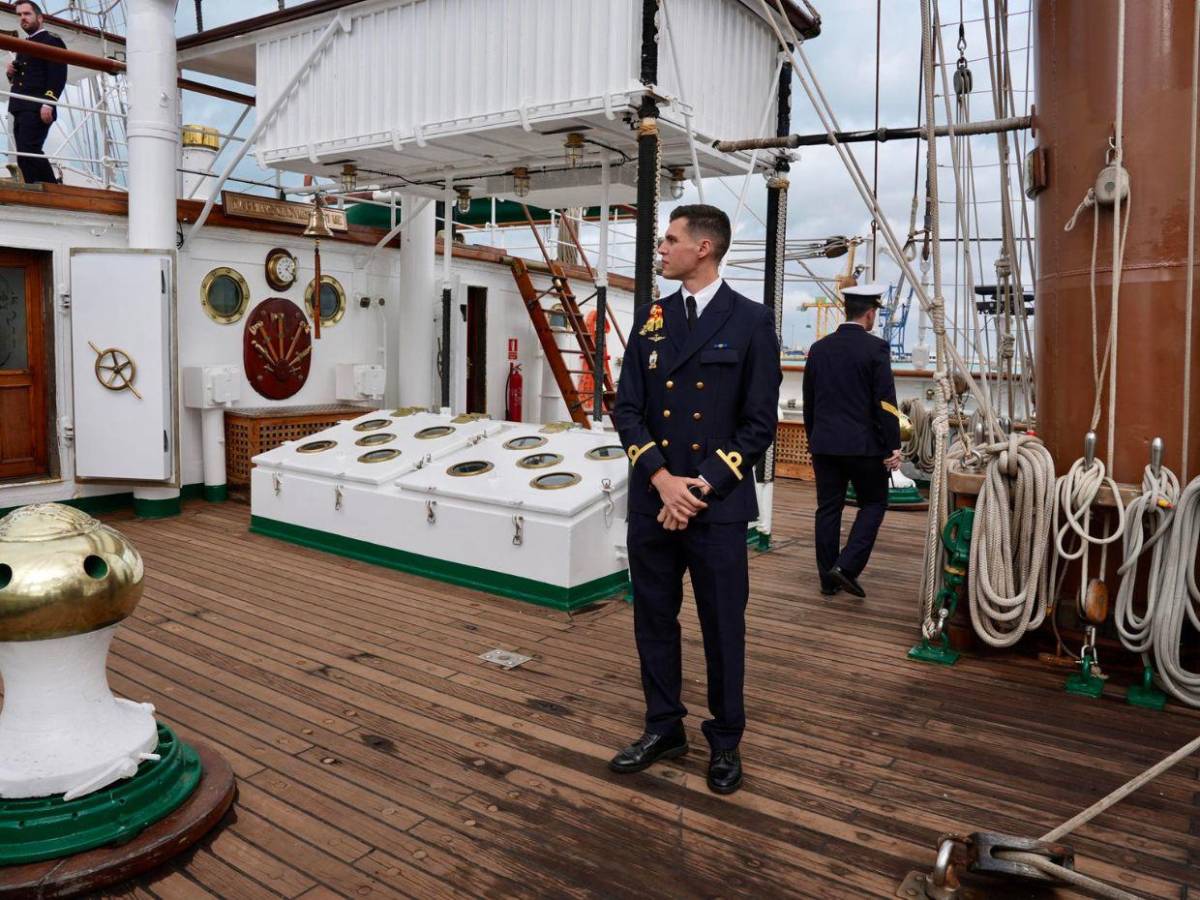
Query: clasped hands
x=679 y=504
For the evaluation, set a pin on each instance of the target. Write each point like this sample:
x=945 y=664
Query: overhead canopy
x=230 y=50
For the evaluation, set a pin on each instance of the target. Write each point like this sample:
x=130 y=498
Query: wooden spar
x=109 y=66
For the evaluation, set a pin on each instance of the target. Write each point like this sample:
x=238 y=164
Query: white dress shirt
x=703 y=295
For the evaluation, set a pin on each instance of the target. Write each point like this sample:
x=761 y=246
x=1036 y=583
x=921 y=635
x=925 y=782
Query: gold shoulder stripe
x=733 y=460
x=895 y=412
x=635 y=452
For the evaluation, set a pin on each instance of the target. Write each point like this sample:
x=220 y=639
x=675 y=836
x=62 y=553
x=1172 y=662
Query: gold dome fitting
x=201 y=136
x=63 y=573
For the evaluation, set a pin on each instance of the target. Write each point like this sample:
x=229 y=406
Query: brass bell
x=317 y=226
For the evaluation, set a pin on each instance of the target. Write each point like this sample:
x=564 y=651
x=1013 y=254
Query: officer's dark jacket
x=38 y=77
x=700 y=403
x=850 y=396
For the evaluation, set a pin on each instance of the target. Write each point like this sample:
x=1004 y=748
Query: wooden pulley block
x=1095 y=602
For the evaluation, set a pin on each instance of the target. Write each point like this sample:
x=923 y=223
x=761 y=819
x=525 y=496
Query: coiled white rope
x=1177 y=598
x=1010 y=541
x=1075 y=496
x=1148 y=520
x=921 y=448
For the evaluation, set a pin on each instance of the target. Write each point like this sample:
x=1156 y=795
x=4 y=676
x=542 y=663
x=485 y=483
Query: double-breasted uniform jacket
x=850 y=395
x=37 y=77
x=702 y=403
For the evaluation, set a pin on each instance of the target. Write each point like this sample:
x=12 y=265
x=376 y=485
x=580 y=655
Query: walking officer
x=696 y=408
x=40 y=78
x=853 y=429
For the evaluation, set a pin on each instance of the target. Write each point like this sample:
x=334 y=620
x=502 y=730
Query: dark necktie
x=691 y=312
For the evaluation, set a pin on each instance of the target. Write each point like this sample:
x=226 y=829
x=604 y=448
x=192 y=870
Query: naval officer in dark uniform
x=696 y=408
x=853 y=429
x=39 y=78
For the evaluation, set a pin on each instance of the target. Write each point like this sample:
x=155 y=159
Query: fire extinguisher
x=513 y=388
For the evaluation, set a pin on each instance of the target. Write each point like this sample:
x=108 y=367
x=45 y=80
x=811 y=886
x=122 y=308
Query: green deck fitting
x=758 y=539
x=898 y=497
x=552 y=595
x=1083 y=682
x=956 y=539
x=940 y=653
x=1146 y=695
x=48 y=827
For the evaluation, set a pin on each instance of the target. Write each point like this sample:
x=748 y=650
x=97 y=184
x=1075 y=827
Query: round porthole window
x=374 y=440
x=609 y=451
x=554 y=481
x=539 y=461
x=316 y=446
x=435 y=431
x=525 y=442
x=378 y=456
x=225 y=295
x=471 y=467
x=372 y=424
x=333 y=300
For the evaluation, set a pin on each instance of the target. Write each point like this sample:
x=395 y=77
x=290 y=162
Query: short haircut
x=37 y=10
x=704 y=221
x=857 y=307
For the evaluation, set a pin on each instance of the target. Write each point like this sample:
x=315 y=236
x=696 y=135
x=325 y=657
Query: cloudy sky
x=822 y=200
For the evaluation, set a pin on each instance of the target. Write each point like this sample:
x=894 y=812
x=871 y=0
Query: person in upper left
x=38 y=78
x=696 y=409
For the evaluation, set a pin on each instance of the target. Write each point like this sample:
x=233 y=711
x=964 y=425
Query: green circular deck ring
x=42 y=828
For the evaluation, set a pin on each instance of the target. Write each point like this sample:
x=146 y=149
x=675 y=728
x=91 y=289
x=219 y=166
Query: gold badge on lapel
x=653 y=360
x=654 y=324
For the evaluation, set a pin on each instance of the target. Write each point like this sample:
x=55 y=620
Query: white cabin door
x=125 y=376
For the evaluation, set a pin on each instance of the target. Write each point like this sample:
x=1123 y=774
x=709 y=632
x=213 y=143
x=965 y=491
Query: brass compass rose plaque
x=115 y=369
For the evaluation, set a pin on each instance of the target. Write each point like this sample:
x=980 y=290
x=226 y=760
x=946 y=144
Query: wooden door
x=476 y=349
x=23 y=376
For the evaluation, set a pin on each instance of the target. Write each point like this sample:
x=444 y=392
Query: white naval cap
x=871 y=292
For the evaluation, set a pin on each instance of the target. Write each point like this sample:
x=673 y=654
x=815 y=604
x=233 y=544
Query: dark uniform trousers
x=853 y=426
x=870 y=480
x=699 y=402
x=29 y=134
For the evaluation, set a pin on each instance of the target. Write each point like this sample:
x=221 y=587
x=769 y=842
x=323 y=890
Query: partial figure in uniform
x=39 y=78
x=853 y=429
x=696 y=409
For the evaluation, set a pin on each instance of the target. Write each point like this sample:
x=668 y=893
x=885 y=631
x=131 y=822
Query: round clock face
x=281 y=269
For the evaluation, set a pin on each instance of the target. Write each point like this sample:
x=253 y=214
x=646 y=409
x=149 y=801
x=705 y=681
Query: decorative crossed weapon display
x=115 y=369
x=276 y=348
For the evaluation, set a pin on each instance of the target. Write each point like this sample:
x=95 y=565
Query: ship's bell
x=317 y=226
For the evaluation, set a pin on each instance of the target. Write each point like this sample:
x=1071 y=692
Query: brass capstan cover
x=63 y=573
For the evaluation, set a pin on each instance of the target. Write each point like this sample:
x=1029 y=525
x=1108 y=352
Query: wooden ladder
x=575 y=324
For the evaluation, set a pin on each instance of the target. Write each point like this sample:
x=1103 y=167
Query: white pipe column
x=414 y=312
x=212 y=440
x=153 y=138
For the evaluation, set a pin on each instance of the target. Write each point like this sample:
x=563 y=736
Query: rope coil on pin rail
x=920 y=449
x=1179 y=597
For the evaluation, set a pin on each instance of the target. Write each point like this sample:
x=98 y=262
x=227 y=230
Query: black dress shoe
x=846 y=582
x=724 y=772
x=647 y=750
x=829 y=588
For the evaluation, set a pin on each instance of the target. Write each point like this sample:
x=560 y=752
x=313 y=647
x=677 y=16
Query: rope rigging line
x=1148 y=519
x=1190 y=297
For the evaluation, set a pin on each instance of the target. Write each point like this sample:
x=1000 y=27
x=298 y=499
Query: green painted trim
x=157 y=509
x=514 y=586
x=42 y=828
x=107 y=503
x=216 y=493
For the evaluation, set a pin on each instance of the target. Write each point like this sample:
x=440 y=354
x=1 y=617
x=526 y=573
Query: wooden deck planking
x=378 y=756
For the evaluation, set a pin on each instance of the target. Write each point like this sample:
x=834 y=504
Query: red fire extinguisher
x=513 y=388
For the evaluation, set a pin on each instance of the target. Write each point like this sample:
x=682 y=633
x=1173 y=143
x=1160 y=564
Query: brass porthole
x=333 y=299
x=433 y=432
x=374 y=440
x=407 y=411
x=316 y=446
x=607 y=452
x=525 y=442
x=470 y=467
x=555 y=481
x=539 y=461
x=224 y=294
x=372 y=424
x=378 y=456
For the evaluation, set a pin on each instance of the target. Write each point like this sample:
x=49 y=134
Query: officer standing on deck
x=853 y=430
x=696 y=408
x=34 y=77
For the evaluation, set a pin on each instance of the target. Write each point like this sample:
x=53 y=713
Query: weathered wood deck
x=378 y=756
